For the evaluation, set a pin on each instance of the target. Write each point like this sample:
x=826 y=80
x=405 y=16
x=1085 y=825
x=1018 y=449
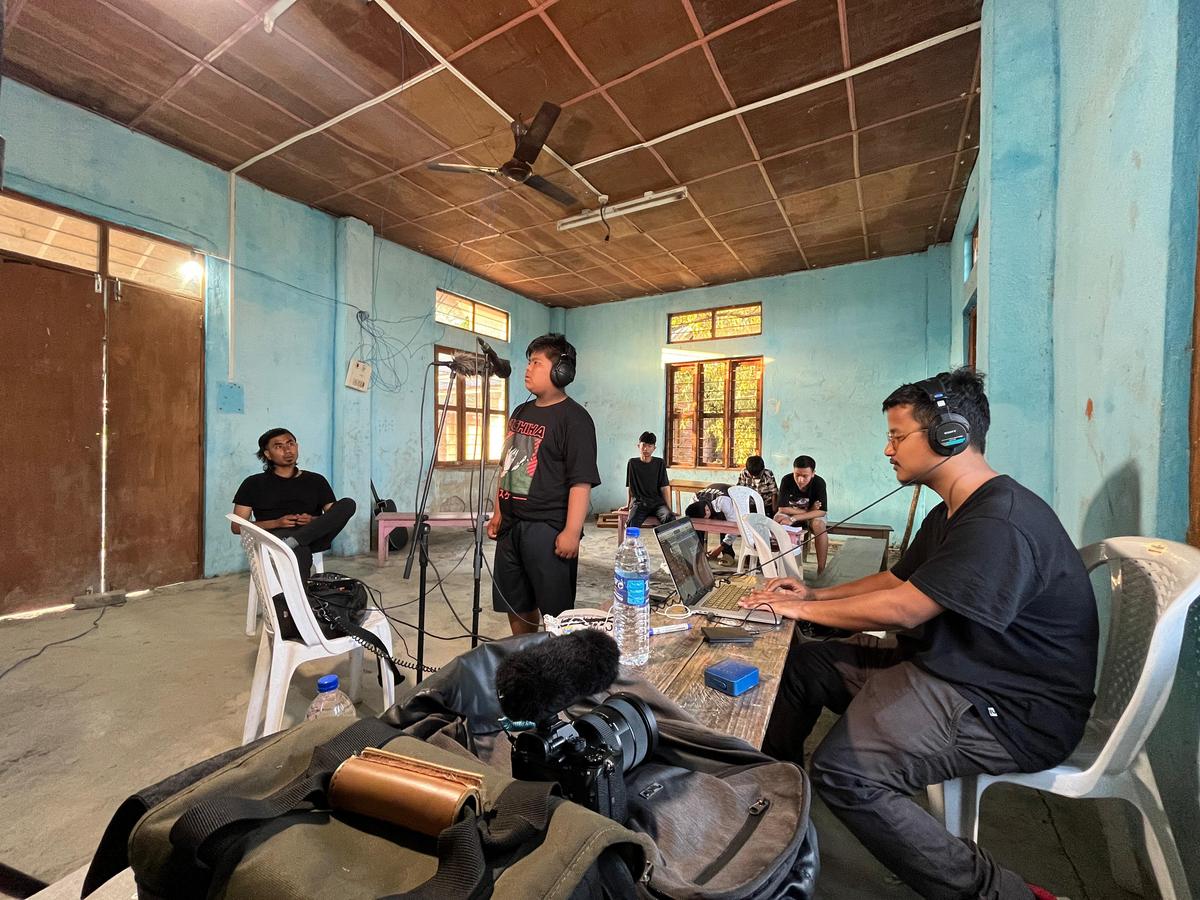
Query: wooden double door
x=101 y=465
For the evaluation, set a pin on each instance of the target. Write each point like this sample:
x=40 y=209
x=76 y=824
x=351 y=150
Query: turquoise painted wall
x=964 y=279
x=836 y=342
x=300 y=278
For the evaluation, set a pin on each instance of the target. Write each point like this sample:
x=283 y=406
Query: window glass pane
x=451 y=309
x=472 y=396
x=745 y=438
x=473 y=443
x=713 y=387
x=683 y=399
x=144 y=260
x=443 y=378
x=683 y=442
x=690 y=326
x=496 y=426
x=745 y=387
x=499 y=396
x=712 y=443
x=491 y=322
x=739 y=320
x=49 y=234
x=448 y=451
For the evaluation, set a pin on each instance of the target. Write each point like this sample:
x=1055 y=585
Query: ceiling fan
x=519 y=169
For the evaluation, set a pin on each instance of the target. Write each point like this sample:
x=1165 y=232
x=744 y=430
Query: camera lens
x=624 y=723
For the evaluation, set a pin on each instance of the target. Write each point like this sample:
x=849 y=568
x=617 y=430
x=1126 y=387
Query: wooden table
x=713 y=526
x=877 y=532
x=386 y=523
x=677 y=664
x=680 y=486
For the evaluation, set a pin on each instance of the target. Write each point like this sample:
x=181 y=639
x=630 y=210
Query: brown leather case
x=409 y=792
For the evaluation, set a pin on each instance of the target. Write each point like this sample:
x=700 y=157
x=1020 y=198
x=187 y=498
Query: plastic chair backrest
x=741 y=497
x=1153 y=585
x=790 y=564
x=267 y=552
x=758 y=528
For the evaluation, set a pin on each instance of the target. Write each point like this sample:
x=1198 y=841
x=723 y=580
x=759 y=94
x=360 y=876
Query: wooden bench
x=856 y=558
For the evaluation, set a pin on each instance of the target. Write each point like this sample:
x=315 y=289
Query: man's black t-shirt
x=272 y=497
x=646 y=479
x=1019 y=632
x=547 y=449
x=791 y=495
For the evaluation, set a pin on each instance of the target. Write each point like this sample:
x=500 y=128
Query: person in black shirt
x=299 y=507
x=993 y=668
x=649 y=487
x=547 y=472
x=804 y=501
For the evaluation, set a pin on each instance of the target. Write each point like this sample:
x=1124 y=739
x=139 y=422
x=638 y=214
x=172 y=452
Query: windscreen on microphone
x=463 y=364
x=545 y=679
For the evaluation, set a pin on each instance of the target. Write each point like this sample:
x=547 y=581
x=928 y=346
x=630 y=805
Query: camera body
x=589 y=756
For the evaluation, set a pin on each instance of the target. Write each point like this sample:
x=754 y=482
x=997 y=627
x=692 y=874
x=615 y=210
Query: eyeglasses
x=893 y=440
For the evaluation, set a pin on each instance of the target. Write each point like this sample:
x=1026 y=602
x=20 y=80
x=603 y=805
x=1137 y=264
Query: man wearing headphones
x=547 y=472
x=991 y=672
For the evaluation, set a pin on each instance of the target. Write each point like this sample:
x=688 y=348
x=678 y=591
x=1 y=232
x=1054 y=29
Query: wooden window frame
x=474 y=303
x=698 y=415
x=459 y=406
x=712 y=311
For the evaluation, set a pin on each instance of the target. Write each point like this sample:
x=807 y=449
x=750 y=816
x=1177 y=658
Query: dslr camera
x=590 y=755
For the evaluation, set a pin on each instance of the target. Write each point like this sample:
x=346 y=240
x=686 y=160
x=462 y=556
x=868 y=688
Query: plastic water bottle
x=631 y=599
x=329 y=700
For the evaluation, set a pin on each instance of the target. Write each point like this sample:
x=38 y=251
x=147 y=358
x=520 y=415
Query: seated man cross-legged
x=804 y=501
x=991 y=671
x=297 y=506
x=648 y=485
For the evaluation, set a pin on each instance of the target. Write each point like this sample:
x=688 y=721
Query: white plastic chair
x=253 y=607
x=774 y=565
x=1153 y=585
x=741 y=497
x=278 y=659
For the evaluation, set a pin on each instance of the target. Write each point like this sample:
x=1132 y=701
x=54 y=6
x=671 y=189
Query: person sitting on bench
x=993 y=667
x=297 y=506
x=803 y=501
x=648 y=485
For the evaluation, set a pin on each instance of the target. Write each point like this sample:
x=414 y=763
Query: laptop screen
x=685 y=558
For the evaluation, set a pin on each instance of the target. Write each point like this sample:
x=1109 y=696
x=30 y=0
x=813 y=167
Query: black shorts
x=526 y=575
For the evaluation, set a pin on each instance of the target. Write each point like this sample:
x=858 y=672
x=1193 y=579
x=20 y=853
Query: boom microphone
x=538 y=683
x=464 y=364
x=501 y=367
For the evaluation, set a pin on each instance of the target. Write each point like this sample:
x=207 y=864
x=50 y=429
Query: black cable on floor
x=21 y=662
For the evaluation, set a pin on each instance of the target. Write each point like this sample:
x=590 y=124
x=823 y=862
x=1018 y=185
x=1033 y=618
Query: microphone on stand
x=500 y=367
x=464 y=364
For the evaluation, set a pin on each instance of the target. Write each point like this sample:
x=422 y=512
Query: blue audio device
x=731 y=676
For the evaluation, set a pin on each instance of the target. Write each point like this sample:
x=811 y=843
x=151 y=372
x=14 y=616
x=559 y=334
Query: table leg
x=381 y=540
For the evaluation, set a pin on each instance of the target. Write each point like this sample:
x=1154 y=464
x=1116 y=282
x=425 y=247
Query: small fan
x=519 y=169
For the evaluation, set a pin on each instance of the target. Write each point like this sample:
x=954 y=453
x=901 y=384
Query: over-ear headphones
x=951 y=433
x=563 y=372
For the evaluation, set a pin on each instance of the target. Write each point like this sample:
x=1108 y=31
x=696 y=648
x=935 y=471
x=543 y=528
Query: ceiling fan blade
x=550 y=189
x=455 y=167
x=529 y=145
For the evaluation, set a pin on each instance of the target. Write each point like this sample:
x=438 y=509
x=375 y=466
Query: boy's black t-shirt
x=272 y=497
x=547 y=449
x=791 y=495
x=646 y=479
x=1018 y=637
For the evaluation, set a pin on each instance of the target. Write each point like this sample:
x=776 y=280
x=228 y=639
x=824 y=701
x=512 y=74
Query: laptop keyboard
x=727 y=595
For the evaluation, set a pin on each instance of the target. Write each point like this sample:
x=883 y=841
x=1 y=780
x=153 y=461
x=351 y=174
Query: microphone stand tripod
x=421 y=530
x=481 y=503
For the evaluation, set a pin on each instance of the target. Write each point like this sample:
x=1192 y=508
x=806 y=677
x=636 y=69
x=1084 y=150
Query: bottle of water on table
x=329 y=700
x=631 y=599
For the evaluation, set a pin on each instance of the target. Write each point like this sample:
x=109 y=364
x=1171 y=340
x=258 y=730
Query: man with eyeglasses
x=991 y=668
x=297 y=506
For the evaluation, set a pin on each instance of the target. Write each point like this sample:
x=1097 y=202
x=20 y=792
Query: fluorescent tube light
x=649 y=200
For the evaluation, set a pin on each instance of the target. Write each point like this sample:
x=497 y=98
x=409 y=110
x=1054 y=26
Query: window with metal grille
x=718 y=322
x=714 y=412
x=470 y=315
x=464 y=431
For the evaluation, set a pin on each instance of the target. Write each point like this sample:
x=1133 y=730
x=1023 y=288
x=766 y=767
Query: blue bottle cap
x=327 y=683
x=633 y=532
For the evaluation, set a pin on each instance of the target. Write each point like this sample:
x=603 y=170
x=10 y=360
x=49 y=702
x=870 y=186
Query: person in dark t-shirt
x=648 y=485
x=297 y=506
x=993 y=668
x=547 y=472
x=804 y=502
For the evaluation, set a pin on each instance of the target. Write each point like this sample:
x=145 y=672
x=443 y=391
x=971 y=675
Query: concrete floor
x=163 y=683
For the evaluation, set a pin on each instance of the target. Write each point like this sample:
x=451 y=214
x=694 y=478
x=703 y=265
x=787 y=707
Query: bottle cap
x=633 y=532
x=327 y=683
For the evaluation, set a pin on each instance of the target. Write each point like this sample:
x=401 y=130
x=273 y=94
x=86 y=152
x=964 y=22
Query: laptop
x=694 y=581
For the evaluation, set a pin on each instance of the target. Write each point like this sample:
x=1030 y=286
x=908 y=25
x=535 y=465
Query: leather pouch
x=408 y=792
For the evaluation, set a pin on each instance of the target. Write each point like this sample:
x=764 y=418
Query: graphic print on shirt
x=520 y=459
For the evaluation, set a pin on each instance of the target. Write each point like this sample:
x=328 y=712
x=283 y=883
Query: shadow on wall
x=1115 y=510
